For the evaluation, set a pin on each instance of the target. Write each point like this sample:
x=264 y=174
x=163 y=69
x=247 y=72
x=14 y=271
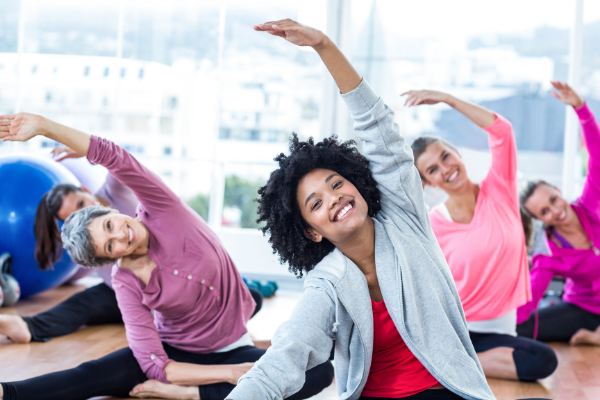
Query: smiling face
x=331 y=205
x=547 y=204
x=76 y=201
x=118 y=235
x=441 y=166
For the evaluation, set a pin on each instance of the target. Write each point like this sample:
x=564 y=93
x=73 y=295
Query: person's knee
x=537 y=363
x=322 y=375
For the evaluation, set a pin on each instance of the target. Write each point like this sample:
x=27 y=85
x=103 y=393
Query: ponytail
x=48 y=245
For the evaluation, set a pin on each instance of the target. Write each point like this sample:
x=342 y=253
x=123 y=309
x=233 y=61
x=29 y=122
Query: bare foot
x=154 y=388
x=15 y=328
x=262 y=344
x=584 y=336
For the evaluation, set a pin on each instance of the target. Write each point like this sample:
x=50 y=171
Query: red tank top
x=395 y=371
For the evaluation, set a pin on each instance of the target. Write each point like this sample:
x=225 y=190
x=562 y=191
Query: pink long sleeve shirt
x=581 y=268
x=487 y=257
x=200 y=301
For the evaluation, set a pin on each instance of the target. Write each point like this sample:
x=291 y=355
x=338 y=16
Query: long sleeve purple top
x=200 y=301
x=579 y=267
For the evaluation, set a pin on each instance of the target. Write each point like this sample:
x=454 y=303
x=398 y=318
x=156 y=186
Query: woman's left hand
x=567 y=95
x=417 y=97
x=63 y=152
x=293 y=32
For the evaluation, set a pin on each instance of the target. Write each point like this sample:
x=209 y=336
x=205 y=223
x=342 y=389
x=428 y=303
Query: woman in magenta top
x=479 y=231
x=169 y=262
x=570 y=246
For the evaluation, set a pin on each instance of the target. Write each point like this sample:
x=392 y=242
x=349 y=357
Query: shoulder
x=500 y=125
x=332 y=268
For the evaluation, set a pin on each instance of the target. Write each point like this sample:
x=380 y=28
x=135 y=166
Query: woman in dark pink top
x=169 y=262
x=569 y=248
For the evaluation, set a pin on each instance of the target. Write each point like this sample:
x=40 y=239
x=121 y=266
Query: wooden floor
x=577 y=376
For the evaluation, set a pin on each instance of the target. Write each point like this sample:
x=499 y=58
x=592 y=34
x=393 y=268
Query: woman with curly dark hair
x=377 y=282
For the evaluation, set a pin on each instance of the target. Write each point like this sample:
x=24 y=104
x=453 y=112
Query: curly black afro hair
x=279 y=208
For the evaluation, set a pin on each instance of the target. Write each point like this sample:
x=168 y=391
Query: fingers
x=61 y=158
x=557 y=95
x=8 y=116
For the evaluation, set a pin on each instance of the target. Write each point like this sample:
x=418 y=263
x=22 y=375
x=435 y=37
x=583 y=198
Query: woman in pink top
x=569 y=247
x=479 y=231
x=169 y=262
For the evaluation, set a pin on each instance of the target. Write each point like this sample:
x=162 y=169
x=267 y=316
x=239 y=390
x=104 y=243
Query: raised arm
x=480 y=116
x=150 y=190
x=390 y=158
x=503 y=147
x=590 y=196
x=23 y=126
x=343 y=73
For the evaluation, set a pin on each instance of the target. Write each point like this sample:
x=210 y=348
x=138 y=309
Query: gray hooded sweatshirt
x=413 y=275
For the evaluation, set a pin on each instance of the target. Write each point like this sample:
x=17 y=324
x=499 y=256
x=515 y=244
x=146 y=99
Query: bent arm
x=140 y=332
x=149 y=189
x=591 y=133
x=540 y=277
x=480 y=116
x=299 y=344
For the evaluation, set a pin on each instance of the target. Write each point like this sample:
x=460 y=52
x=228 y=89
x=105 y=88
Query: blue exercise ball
x=24 y=179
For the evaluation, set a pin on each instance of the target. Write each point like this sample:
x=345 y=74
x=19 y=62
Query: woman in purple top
x=570 y=249
x=94 y=306
x=169 y=262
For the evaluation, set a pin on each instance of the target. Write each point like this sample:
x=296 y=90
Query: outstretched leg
x=94 y=306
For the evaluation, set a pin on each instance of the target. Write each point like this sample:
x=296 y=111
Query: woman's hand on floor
x=239 y=370
x=293 y=32
x=567 y=95
x=21 y=127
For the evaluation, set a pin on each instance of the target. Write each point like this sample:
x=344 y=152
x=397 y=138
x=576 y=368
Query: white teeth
x=344 y=211
x=130 y=235
x=453 y=176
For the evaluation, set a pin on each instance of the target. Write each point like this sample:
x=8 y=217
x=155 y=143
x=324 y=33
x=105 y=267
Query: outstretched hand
x=567 y=95
x=418 y=97
x=293 y=32
x=63 y=152
x=21 y=127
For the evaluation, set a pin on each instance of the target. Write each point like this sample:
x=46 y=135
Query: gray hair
x=77 y=240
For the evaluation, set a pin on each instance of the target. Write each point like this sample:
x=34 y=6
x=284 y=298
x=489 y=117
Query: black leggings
x=94 y=306
x=559 y=323
x=117 y=373
x=534 y=360
x=432 y=394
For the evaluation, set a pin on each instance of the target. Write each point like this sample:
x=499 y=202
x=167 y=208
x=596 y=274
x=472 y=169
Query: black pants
x=117 y=373
x=534 y=360
x=559 y=323
x=433 y=394
x=94 y=306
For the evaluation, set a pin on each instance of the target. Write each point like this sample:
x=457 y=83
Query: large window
x=206 y=102
x=186 y=86
x=502 y=56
